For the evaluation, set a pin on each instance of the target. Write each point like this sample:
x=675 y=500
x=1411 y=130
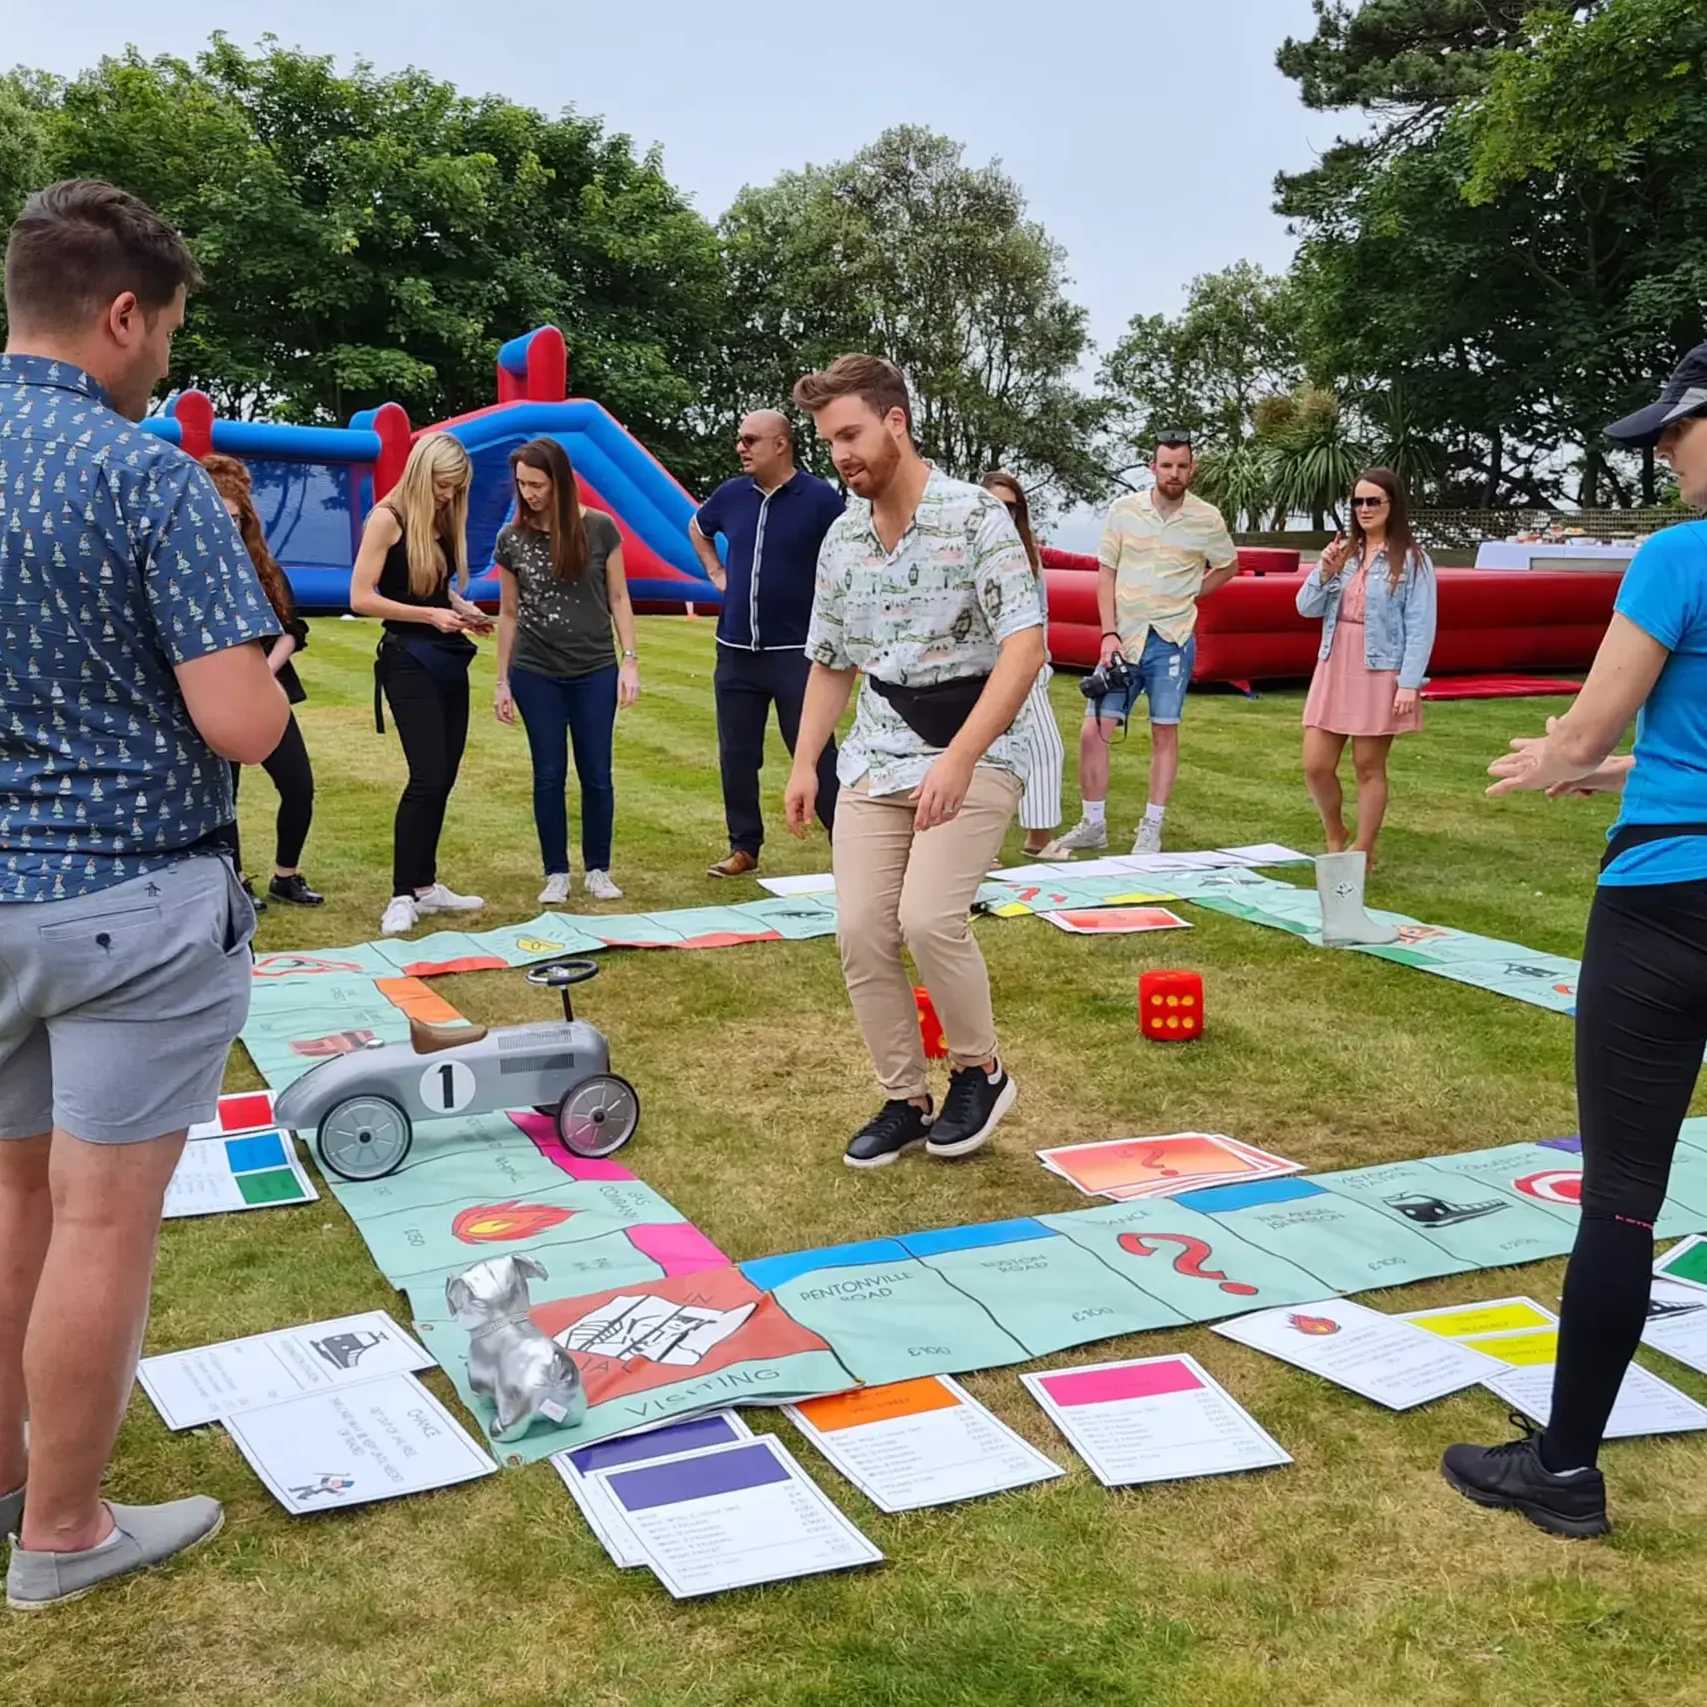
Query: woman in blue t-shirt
x=1642 y=993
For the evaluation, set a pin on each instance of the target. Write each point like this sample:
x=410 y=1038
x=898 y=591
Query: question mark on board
x=1193 y=1254
x=1153 y=1160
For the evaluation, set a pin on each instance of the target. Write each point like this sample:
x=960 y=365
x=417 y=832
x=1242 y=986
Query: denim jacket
x=1398 y=627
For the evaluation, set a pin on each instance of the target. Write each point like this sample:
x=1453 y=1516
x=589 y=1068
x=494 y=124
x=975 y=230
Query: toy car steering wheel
x=563 y=975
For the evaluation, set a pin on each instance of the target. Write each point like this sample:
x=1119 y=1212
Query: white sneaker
x=556 y=890
x=400 y=916
x=1149 y=836
x=439 y=899
x=1083 y=837
x=599 y=886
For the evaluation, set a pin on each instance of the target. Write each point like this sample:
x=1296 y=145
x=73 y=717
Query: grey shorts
x=118 y=1009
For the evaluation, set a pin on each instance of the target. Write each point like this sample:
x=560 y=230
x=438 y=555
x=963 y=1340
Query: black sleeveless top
x=393 y=584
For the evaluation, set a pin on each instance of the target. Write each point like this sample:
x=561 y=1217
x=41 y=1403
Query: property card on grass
x=816 y=883
x=247 y=1111
x=376 y=1440
x=1677 y=1322
x=589 y=1490
x=1521 y=1337
x=1117 y=921
x=1267 y=853
x=919 y=1443
x=1686 y=1261
x=733 y=1516
x=1154 y=1419
x=1125 y=1168
x=202 y=1385
x=1382 y=1358
x=217 y=1175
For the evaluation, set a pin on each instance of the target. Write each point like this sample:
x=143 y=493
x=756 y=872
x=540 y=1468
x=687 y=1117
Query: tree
x=1205 y=371
x=367 y=237
x=1312 y=454
x=23 y=143
x=906 y=251
x=1521 y=288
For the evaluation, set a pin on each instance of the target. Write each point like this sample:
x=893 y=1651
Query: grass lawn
x=1355 y=1576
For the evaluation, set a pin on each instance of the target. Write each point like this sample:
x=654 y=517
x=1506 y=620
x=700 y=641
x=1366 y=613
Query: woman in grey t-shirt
x=564 y=589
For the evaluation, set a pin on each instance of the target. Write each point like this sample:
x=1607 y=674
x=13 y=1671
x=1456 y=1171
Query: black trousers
x=431 y=715
x=1641 y=1029
x=747 y=685
x=293 y=777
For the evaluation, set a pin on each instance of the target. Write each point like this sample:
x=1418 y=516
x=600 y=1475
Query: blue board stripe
x=946 y=1239
x=768 y=1273
x=1217 y=1199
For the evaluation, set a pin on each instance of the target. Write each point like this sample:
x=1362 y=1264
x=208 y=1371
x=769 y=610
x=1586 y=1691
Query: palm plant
x=1235 y=479
x=1312 y=455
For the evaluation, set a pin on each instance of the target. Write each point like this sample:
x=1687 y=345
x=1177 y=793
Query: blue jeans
x=1163 y=673
x=556 y=710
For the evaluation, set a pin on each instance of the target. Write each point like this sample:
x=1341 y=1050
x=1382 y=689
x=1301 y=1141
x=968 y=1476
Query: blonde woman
x=409 y=571
x=1040 y=805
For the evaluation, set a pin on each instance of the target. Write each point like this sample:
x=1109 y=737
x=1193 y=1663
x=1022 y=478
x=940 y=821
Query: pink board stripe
x=677 y=1247
x=543 y=1131
x=1135 y=1381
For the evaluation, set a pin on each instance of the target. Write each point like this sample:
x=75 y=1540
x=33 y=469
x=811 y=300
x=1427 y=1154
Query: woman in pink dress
x=1375 y=594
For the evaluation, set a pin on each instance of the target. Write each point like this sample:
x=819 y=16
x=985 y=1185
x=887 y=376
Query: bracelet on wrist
x=1111 y=634
x=633 y=656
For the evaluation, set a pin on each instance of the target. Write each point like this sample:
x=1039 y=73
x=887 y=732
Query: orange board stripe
x=878 y=1404
x=417 y=1000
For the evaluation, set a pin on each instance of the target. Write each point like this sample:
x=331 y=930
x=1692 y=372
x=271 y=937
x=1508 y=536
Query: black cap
x=1685 y=394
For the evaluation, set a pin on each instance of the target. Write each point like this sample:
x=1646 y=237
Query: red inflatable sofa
x=1491 y=620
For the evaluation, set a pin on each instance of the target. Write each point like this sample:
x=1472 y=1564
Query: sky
x=1145 y=135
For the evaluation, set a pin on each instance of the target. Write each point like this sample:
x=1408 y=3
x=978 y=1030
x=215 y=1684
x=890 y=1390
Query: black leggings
x=1641 y=1029
x=431 y=715
x=293 y=777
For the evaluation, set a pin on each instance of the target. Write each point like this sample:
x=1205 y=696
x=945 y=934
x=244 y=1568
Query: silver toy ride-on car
x=363 y=1106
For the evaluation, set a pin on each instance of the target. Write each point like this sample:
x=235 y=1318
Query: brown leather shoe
x=738 y=864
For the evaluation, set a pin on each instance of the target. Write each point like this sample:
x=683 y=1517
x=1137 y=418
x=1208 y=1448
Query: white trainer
x=400 y=916
x=599 y=886
x=439 y=899
x=1082 y=838
x=556 y=890
x=1149 y=838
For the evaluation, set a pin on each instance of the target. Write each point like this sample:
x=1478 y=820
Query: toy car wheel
x=364 y=1138
x=599 y=1115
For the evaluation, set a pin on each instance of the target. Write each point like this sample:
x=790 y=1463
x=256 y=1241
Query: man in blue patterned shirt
x=128 y=676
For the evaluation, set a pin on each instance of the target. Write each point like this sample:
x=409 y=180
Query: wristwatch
x=634 y=655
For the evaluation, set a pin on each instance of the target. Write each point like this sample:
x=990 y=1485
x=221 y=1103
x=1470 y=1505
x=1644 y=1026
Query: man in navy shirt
x=773 y=517
x=129 y=675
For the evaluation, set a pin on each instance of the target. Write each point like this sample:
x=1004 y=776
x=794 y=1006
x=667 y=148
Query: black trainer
x=259 y=905
x=295 y=890
x=897 y=1128
x=1514 y=1478
x=976 y=1100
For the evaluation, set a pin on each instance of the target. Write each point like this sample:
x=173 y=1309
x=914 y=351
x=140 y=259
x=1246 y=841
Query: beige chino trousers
x=897 y=888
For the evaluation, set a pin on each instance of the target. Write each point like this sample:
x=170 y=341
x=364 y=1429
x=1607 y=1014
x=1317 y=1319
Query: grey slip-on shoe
x=147 y=1535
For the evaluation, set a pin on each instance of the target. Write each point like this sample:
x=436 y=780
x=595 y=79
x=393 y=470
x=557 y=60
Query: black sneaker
x=255 y=900
x=1513 y=1477
x=295 y=890
x=976 y=1100
x=896 y=1129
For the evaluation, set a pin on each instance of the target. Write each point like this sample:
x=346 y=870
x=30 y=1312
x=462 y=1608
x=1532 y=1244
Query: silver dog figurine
x=525 y=1372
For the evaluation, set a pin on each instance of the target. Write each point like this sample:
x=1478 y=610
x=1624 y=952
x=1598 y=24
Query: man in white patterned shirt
x=925 y=589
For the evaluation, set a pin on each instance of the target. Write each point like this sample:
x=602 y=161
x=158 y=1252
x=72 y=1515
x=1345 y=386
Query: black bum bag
x=935 y=714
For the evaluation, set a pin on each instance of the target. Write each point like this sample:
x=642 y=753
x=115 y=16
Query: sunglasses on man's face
x=747 y=440
x=1367 y=503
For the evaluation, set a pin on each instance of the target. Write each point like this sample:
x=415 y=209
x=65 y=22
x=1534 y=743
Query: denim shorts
x=1163 y=673
x=118 y=1008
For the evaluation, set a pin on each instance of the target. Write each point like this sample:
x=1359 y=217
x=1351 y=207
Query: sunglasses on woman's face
x=1367 y=503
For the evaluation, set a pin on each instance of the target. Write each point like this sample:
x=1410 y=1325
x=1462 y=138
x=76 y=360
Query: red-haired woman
x=1040 y=805
x=288 y=766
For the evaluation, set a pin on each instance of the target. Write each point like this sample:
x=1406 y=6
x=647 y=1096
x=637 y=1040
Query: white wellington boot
x=1339 y=883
